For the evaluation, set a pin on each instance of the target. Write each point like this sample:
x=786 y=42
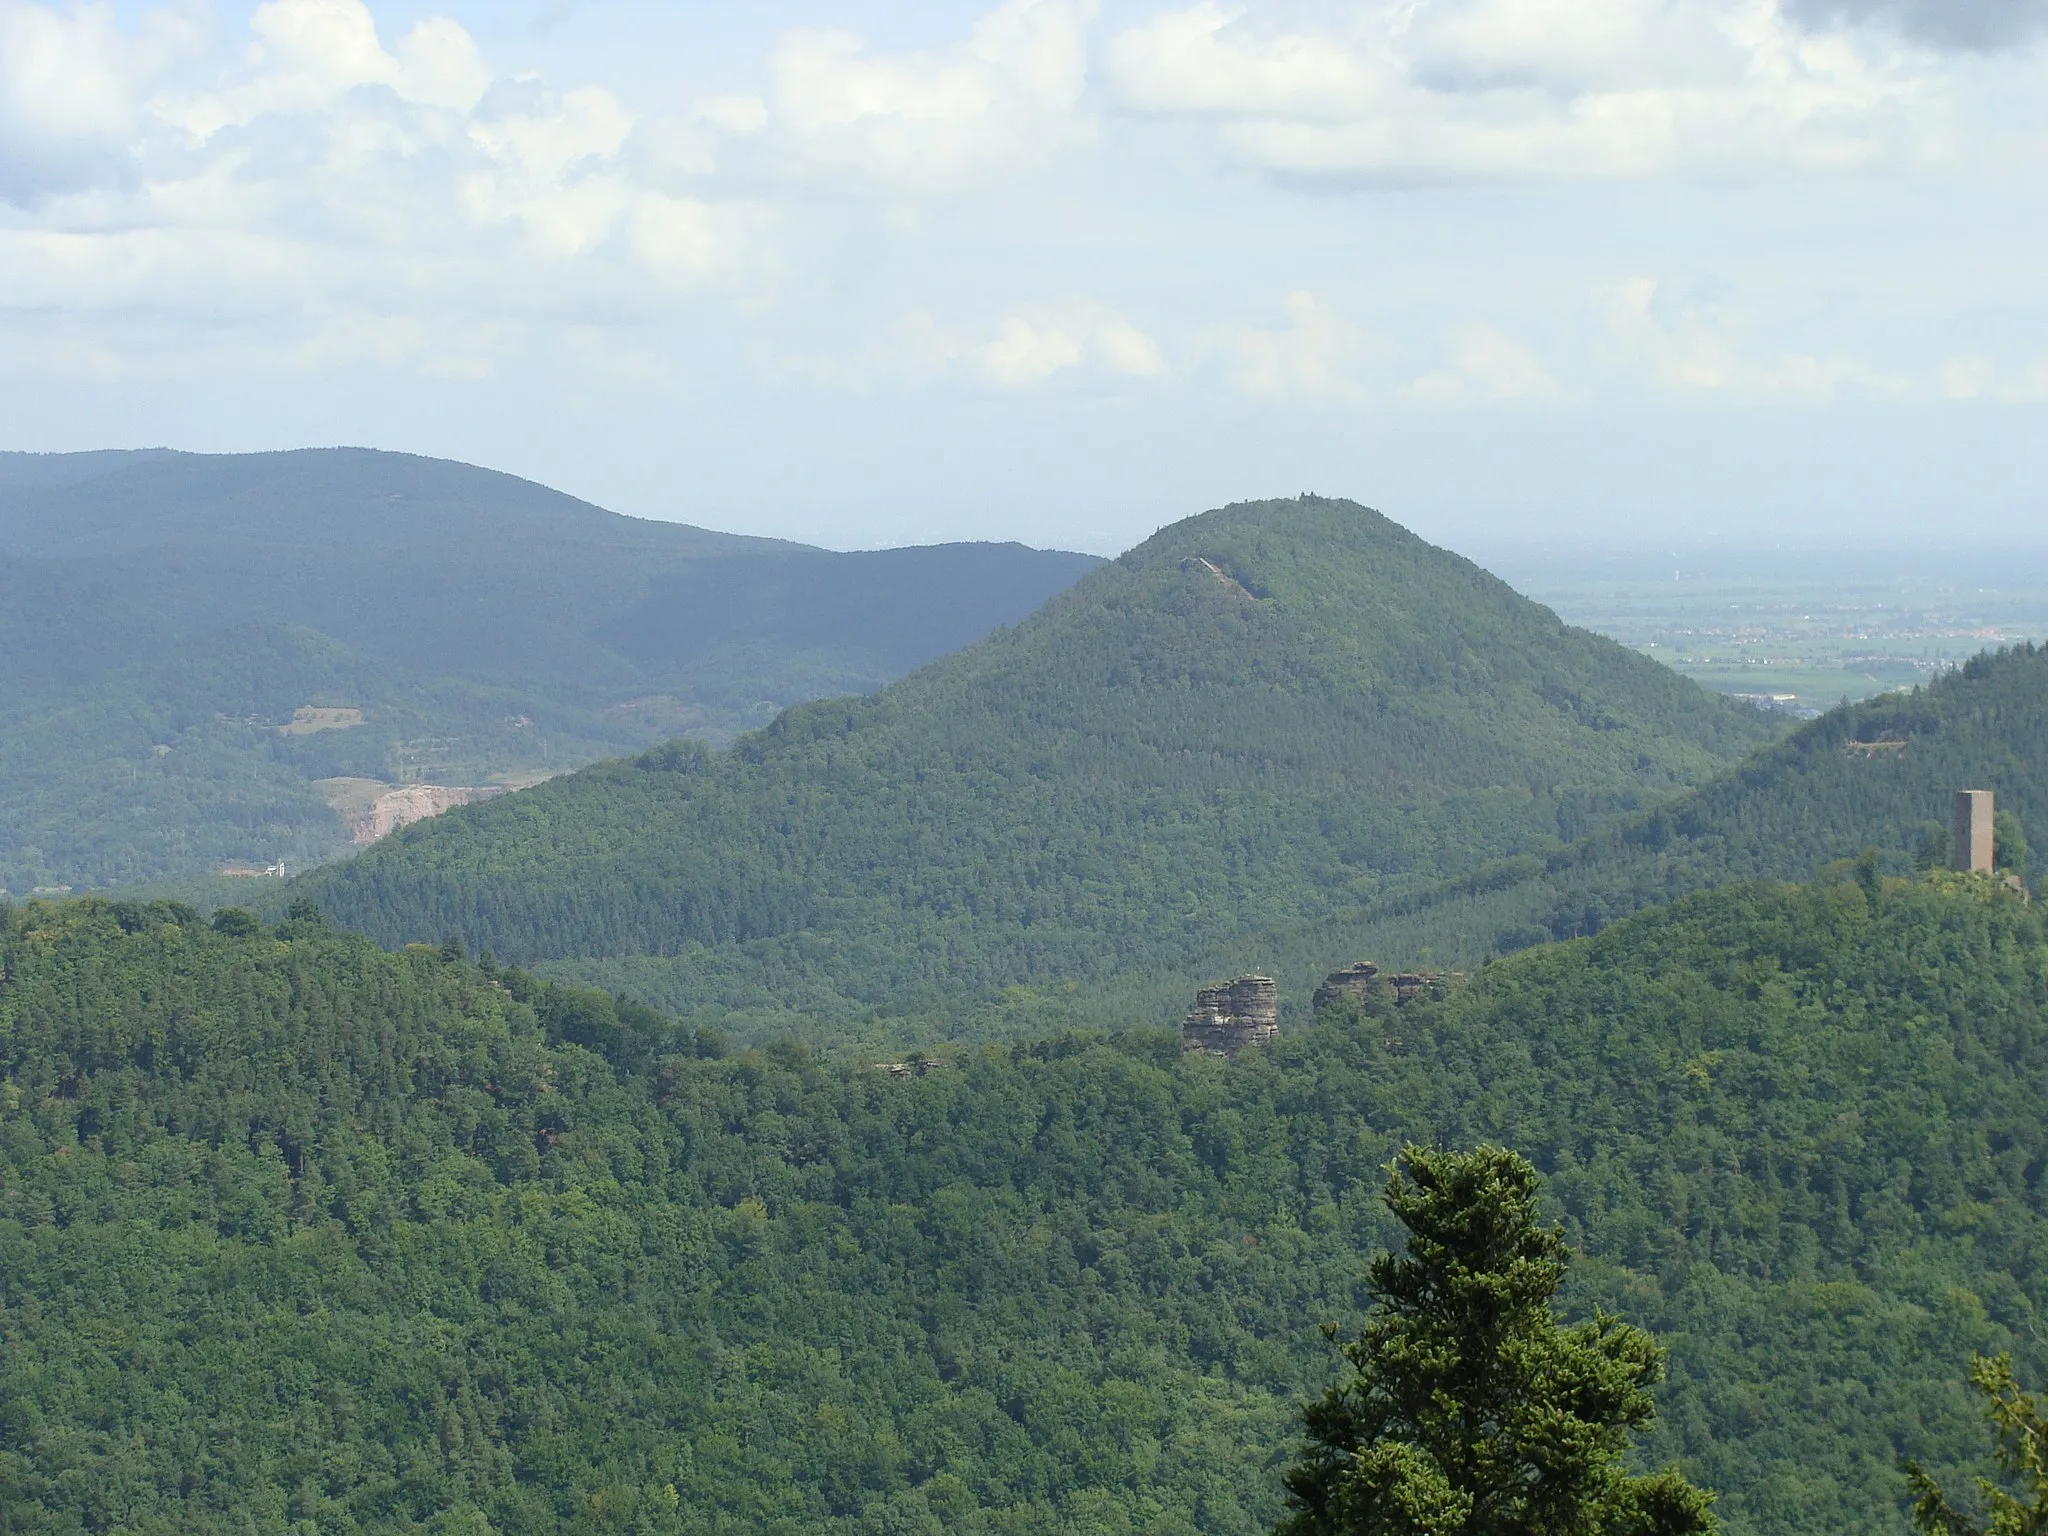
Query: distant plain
x=1821 y=624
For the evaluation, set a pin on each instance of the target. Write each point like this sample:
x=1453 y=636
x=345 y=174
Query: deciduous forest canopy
x=292 y=1229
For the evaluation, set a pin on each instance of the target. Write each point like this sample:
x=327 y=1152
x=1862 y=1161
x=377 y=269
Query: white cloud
x=293 y=190
x=1464 y=89
x=1698 y=347
x=1313 y=358
x=370 y=197
x=1974 y=377
x=71 y=83
x=305 y=56
x=1484 y=367
x=352 y=199
x=914 y=125
x=1023 y=349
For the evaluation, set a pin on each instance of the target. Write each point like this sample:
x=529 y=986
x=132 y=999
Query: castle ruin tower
x=1971 y=846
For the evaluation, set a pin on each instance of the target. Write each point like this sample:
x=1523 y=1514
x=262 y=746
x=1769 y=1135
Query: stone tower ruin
x=1973 y=843
x=1228 y=1018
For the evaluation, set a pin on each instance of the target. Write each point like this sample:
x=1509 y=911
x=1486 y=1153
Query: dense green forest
x=1877 y=775
x=486 y=627
x=299 y=1234
x=1260 y=716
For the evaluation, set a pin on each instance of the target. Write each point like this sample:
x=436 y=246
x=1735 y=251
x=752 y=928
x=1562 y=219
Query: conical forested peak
x=1310 y=592
x=1323 y=524
x=1259 y=715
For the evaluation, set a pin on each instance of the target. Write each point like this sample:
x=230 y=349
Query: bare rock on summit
x=1355 y=983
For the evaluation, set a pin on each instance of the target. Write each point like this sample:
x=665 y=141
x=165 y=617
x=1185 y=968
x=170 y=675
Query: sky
x=871 y=272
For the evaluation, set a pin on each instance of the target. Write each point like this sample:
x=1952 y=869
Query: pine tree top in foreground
x=1473 y=1410
x=2022 y=1436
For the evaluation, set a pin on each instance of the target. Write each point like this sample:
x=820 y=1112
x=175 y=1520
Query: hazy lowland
x=785 y=1129
x=1799 y=626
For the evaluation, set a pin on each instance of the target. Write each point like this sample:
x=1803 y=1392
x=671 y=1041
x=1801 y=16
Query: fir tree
x=1474 y=1411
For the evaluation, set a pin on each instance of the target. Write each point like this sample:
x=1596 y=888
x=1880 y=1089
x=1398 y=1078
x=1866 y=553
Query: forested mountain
x=295 y=1230
x=1261 y=715
x=1878 y=775
x=447 y=568
x=487 y=630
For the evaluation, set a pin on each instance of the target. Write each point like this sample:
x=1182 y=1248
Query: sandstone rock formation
x=1360 y=981
x=917 y=1066
x=1228 y=1018
x=1355 y=983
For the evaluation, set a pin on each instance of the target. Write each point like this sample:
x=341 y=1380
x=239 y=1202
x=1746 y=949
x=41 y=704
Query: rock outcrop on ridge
x=1227 y=1018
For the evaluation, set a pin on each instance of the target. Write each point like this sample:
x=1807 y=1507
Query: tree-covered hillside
x=485 y=627
x=1878 y=775
x=1262 y=714
x=191 y=761
x=300 y=1235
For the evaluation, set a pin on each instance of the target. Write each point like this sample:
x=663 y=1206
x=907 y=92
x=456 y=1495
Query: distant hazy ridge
x=488 y=626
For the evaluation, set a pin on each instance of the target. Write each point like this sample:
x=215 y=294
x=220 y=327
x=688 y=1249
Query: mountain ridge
x=153 y=499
